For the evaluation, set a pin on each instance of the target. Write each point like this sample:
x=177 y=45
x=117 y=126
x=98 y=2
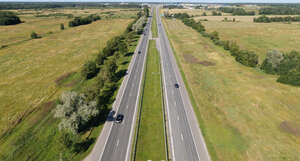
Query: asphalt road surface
x=118 y=145
x=185 y=138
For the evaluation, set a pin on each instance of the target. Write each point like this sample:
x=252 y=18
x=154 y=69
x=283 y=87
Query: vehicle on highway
x=119 y=118
x=176 y=85
x=139 y=52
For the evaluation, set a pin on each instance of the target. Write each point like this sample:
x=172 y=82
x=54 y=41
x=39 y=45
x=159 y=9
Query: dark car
x=119 y=118
x=176 y=85
x=139 y=52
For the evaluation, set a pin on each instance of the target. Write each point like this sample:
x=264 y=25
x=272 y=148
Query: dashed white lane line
x=117 y=142
x=127 y=107
x=177 y=117
x=175 y=103
x=181 y=137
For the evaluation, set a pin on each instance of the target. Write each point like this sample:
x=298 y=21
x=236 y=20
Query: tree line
x=244 y=57
x=9 y=18
x=77 y=21
x=43 y=5
x=75 y=110
x=280 y=10
x=265 y=19
x=236 y=11
x=287 y=66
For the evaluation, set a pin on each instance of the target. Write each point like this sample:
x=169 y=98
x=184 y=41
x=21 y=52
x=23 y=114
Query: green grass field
x=257 y=37
x=154 y=26
x=243 y=113
x=151 y=142
x=35 y=72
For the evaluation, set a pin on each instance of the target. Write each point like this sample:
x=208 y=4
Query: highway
x=115 y=141
x=185 y=139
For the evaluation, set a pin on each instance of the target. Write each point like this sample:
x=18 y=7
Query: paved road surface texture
x=185 y=138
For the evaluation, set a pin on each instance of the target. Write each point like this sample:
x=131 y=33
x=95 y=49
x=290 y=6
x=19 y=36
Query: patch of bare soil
x=193 y=60
x=60 y=79
x=290 y=127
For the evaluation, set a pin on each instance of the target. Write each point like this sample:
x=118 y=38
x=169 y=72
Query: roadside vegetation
x=243 y=113
x=154 y=26
x=54 y=65
x=288 y=66
x=151 y=137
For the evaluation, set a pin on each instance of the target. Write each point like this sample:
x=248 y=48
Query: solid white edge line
x=166 y=93
x=127 y=158
x=176 y=77
x=125 y=79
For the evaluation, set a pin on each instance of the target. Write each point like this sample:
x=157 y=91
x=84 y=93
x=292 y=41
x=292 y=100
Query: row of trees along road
x=79 y=111
x=244 y=57
x=287 y=66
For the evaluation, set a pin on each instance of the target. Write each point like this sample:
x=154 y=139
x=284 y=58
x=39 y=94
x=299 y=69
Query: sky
x=204 y=1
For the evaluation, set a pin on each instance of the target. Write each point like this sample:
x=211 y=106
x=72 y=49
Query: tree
x=89 y=70
x=74 y=111
x=109 y=70
x=272 y=61
x=9 y=18
x=62 y=26
x=204 y=14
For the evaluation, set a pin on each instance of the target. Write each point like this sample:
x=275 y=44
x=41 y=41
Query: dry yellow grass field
x=244 y=114
x=28 y=69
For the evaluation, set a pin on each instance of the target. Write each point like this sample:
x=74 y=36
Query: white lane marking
x=177 y=117
x=181 y=137
x=163 y=64
x=130 y=94
x=172 y=91
x=117 y=142
x=127 y=107
x=175 y=103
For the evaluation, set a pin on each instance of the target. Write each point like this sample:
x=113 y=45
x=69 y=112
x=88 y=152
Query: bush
x=89 y=70
x=9 y=18
x=62 y=26
x=247 y=58
x=74 y=111
x=34 y=35
x=77 y=21
x=292 y=77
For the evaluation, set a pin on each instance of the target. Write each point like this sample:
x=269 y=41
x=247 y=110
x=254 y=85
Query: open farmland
x=35 y=71
x=258 y=37
x=243 y=113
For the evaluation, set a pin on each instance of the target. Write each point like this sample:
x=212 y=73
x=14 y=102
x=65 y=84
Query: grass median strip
x=154 y=26
x=151 y=138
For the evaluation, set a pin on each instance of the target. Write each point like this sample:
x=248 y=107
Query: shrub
x=89 y=70
x=62 y=26
x=34 y=35
x=292 y=77
x=247 y=58
x=74 y=111
x=9 y=18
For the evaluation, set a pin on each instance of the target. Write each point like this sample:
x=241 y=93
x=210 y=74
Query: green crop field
x=243 y=113
x=151 y=142
x=35 y=72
